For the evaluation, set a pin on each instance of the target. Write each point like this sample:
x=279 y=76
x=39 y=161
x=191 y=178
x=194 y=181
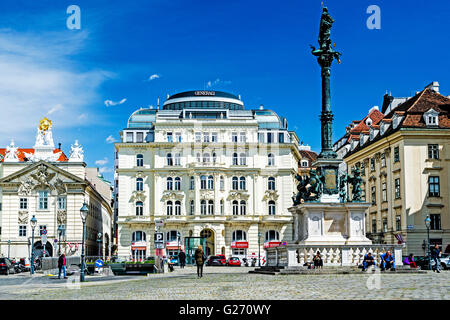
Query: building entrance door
x=208 y=234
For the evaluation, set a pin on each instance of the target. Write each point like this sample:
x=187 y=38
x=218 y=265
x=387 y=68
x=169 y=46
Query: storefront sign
x=239 y=245
x=205 y=93
x=139 y=245
x=271 y=244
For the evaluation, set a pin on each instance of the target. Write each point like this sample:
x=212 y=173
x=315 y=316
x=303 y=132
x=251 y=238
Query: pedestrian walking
x=182 y=258
x=436 y=256
x=199 y=260
x=62 y=266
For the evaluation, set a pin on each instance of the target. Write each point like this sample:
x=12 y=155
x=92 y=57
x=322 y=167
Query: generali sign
x=239 y=245
x=205 y=93
x=271 y=244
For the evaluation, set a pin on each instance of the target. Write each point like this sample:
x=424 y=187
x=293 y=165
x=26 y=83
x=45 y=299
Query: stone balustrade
x=332 y=255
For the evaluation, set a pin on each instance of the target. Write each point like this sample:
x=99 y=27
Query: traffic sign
x=159 y=245
x=44 y=232
x=159 y=223
x=44 y=239
x=99 y=263
x=159 y=237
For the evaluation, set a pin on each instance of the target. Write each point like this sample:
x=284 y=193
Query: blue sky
x=259 y=49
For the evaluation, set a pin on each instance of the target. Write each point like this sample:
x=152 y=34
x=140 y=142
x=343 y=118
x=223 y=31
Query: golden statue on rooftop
x=45 y=124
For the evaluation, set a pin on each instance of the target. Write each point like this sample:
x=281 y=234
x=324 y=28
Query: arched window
x=272 y=235
x=206 y=158
x=139 y=208
x=177 y=183
x=235 y=159
x=210 y=207
x=239 y=235
x=138 y=236
x=271 y=185
x=139 y=184
x=235 y=208
x=270 y=159
x=192 y=207
x=222 y=183
x=271 y=207
x=177 y=208
x=169 y=184
x=214 y=157
x=242 y=159
x=173 y=235
x=203 y=182
x=169 y=159
x=203 y=207
x=198 y=157
x=169 y=208
x=139 y=160
x=210 y=182
x=243 y=208
x=177 y=159
x=242 y=183
x=192 y=183
x=234 y=183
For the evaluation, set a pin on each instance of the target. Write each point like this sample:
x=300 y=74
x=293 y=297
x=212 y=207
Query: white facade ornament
x=44 y=145
x=76 y=153
x=11 y=154
x=26 y=187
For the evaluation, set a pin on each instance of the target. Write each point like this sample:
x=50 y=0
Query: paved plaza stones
x=232 y=284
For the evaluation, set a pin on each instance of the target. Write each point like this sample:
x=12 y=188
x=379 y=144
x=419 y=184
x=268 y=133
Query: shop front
x=138 y=250
x=239 y=249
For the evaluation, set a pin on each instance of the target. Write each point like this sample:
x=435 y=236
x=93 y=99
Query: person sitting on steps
x=368 y=261
x=318 y=262
x=387 y=261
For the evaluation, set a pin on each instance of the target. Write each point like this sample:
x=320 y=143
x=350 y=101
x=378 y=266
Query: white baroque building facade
x=43 y=182
x=209 y=168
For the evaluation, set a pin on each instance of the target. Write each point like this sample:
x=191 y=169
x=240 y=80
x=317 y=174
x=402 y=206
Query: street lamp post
x=99 y=241
x=60 y=230
x=427 y=223
x=33 y=223
x=259 y=249
x=83 y=212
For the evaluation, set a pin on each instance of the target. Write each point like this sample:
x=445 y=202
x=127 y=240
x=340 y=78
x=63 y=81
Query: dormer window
x=431 y=118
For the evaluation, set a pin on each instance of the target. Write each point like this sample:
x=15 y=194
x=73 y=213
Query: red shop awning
x=173 y=248
x=271 y=244
x=239 y=245
x=138 y=248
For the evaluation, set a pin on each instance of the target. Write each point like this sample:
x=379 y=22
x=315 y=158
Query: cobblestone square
x=232 y=284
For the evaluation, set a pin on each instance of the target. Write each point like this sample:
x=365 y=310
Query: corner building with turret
x=209 y=168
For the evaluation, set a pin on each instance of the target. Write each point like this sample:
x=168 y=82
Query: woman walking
x=199 y=260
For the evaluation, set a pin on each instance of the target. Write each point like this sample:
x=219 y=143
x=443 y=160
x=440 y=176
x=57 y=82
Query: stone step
x=263 y=272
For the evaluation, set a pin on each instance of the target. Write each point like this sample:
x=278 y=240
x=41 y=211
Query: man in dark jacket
x=387 y=261
x=182 y=258
x=368 y=261
x=436 y=256
x=62 y=265
x=199 y=260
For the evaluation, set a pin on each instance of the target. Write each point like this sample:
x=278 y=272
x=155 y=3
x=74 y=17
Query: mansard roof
x=22 y=158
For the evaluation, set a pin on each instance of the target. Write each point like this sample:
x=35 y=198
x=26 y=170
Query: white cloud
x=101 y=162
x=110 y=139
x=153 y=77
x=82 y=116
x=39 y=77
x=110 y=103
x=104 y=169
x=56 y=108
x=217 y=82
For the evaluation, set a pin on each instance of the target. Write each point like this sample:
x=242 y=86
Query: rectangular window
x=269 y=137
x=169 y=137
x=433 y=187
x=281 y=137
x=398 y=223
x=261 y=137
x=433 y=151
x=214 y=137
x=206 y=137
x=140 y=137
x=363 y=169
x=242 y=137
x=384 y=224
x=22 y=230
x=372 y=164
x=384 y=191
x=198 y=137
x=129 y=136
x=374 y=195
x=43 y=200
x=374 y=225
x=396 y=154
x=23 y=204
x=435 y=223
x=234 y=137
x=397 y=188
x=62 y=203
x=383 y=160
x=177 y=136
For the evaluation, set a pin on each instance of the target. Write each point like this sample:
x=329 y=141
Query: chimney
x=59 y=146
x=434 y=86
